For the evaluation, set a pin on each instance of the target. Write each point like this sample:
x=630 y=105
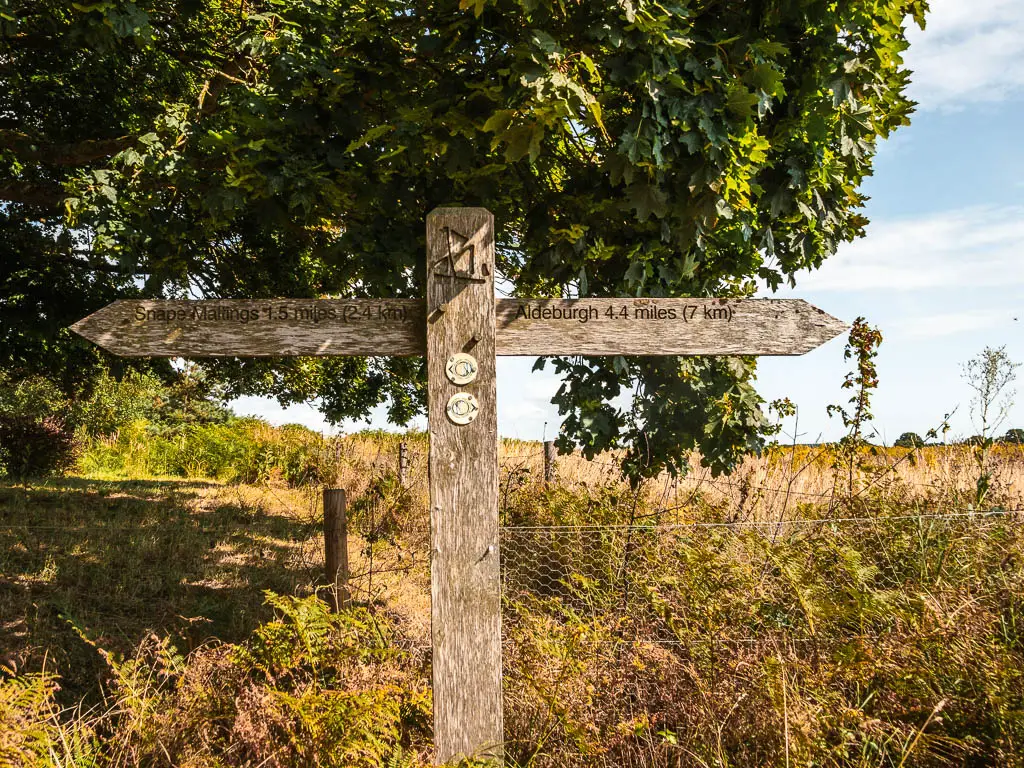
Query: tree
x=1013 y=437
x=250 y=148
x=909 y=440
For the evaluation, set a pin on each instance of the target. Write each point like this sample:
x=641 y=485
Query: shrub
x=115 y=403
x=31 y=733
x=32 y=447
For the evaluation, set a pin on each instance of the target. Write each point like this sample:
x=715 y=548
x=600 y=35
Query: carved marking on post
x=459 y=245
x=464 y=568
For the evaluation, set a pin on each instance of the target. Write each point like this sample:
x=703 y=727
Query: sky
x=940 y=273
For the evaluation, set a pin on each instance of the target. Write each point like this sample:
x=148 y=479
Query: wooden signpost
x=397 y=327
x=461 y=327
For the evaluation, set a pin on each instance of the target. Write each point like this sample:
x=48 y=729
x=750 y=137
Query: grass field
x=787 y=615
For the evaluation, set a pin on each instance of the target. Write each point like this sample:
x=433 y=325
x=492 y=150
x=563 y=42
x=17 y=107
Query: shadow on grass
x=121 y=559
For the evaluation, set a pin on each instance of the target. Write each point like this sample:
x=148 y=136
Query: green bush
x=36 y=398
x=114 y=404
x=31 y=447
x=243 y=450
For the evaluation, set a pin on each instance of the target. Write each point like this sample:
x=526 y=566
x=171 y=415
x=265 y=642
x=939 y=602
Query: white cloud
x=951 y=323
x=974 y=247
x=970 y=51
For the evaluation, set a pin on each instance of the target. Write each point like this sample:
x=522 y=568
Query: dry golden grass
x=941 y=478
x=733 y=645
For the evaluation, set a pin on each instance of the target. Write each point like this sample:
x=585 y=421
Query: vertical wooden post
x=463 y=464
x=336 y=545
x=403 y=463
x=549 y=462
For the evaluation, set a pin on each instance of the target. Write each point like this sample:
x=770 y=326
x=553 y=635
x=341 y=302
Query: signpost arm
x=465 y=576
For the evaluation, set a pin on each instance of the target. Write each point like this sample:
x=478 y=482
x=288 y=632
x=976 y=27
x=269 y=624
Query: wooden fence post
x=549 y=462
x=336 y=545
x=403 y=463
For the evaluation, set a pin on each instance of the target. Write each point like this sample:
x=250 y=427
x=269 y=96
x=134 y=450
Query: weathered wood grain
x=464 y=568
x=678 y=326
x=319 y=327
x=403 y=464
x=258 y=328
x=550 y=457
x=336 y=544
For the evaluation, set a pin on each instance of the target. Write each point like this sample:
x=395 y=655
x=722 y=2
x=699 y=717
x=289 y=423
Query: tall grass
x=895 y=640
x=297 y=692
x=771 y=618
x=242 y=450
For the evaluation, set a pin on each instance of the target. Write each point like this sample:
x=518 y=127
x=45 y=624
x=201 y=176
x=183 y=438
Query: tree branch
x=71 y=260
x=30 y=150
x=42 y=194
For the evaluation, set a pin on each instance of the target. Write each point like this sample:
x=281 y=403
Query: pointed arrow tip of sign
x=81 y=328
x=823 y=327
x=835 y=325
x=91 y=327
x=828 y=322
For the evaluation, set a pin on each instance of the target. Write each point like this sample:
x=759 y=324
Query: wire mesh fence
x=698 y=631
x=638 y=579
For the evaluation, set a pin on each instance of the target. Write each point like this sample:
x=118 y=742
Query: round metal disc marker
x=462 y=408
x=461 y=368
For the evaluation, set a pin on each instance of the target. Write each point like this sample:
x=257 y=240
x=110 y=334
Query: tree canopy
x=909 y=440
x=256 y=148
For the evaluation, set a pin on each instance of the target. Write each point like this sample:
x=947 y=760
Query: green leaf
x=741 y=102
x=647 y=200
x=636 y=273
x=765 y=77
x=499 y=121
x=523 y=140
x=371 y=135
x=544 y=41
x=477 y=5
x=768 y=49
